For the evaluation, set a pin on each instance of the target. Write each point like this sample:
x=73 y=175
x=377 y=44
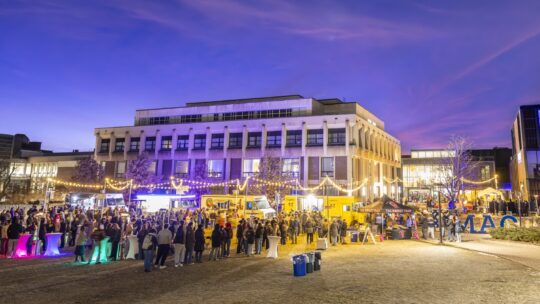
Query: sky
x=429 y=69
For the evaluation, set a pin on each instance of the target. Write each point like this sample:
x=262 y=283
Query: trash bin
x=310 y=262
x=354 y=237
x=299 y=265
x=317 y=263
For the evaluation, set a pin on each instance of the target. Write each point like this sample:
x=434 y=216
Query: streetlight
x=536 y=204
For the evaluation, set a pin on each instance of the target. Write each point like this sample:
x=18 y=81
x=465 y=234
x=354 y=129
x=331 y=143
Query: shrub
x=531 y=235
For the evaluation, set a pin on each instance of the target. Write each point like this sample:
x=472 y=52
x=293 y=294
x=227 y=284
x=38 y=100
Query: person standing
x=250 y=240
x=164 y=239
x=239 y=236
x=115 y=235
x=309 y=231
x=343 y=231
x=228 y=229
x=216 y=243
x=80 y=244
x=258 y=238
x=334 y=232
x=457 y=224
x=295 y=228
x=97 y=236
x=199 y=243
x=5 y=239
x=140 y=239
x=431 y=227
x=190 y=243
x=179 y=244
x=13 y=233
x=149 y=245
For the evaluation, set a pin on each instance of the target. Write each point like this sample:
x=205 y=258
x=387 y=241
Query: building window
x=150 y=144
x=121 y=169
x=336 y=136
x=134 y=144
x=291 y=167
x=166 y=143
x=181 y=168
x=327 y=166
x=153 y=167
x=254 y=139
x=215 y=168
x=294 y=138
x=119 y=145
x=315 y=137
x=273 y=139
x=200 y=142
x=217 y=141
x=486 y=173
x=183 y=142
x=158 y=120
x=250 y=167
x=104 y=146
x=235 y=140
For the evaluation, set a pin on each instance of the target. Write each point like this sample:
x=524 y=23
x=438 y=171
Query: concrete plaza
x=391 y=272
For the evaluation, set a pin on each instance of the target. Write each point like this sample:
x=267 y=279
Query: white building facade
x=313 y=138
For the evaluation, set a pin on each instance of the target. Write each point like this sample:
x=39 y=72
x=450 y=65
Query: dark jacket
x=179 y=238
x=216 y=238
x=199 y=240
x=190 y=239
x=14 y=231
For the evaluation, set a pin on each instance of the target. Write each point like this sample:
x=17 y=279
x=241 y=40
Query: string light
x=478 y=182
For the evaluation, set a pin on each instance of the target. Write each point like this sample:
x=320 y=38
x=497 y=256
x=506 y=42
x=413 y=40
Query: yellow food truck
x=344 y=207
x=231 y=207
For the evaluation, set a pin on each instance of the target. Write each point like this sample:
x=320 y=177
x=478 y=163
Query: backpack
x=147 y=243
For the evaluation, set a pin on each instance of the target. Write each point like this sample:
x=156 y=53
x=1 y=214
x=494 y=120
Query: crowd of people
x=183 y=234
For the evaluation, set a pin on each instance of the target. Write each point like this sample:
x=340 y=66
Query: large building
x=425 y=170
x=525 y=168
x=313 y=138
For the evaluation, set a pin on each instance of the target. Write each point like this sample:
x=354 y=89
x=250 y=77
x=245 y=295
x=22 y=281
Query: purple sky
x=429 y=69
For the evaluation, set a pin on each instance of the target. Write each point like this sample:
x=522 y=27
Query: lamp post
x=536 y=204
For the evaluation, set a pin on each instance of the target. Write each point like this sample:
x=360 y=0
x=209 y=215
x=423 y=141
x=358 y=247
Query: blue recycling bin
x=299 y=265
x=354 y=237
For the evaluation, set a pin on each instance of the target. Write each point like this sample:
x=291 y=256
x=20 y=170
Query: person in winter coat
x=199 y=243
x=229 y=230
x=164 y=238
x=343 y=231
x=239 y=236
x=258 y=238
x=42 y=234
x=149 y=245
x=80 y=244
x=250 y=240
x=190 y=243
x=97 y=236
x=216 y=243
x=140 y=239
x=309 y=231
x=266 y=232
x=334 y=232
x=179 y=244
x=115 y=235
x=283 y=228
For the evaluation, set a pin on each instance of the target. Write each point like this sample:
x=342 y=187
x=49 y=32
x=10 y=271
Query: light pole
x=536 y=204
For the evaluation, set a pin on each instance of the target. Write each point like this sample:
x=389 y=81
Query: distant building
x=423 y=171
x=18 y=146
x=313 y=138
x=30 y=166
x=525 y=164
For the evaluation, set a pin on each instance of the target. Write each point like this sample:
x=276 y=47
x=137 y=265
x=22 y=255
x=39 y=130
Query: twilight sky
x=429 y=69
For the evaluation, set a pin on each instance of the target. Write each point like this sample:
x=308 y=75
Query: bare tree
x=88 y=171
x=457 y=165
x=6 y=172
x=138 y=170
x=270 y=180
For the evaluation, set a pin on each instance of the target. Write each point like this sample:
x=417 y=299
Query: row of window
x=217 y=141
x=215 y=167
x=161 y=120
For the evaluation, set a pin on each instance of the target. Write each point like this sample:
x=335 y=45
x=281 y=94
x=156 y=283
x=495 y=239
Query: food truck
x=344 y=207
x=239 y=205
x=95 y=200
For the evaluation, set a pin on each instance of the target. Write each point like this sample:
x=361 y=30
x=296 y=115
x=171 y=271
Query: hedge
x=531 y=235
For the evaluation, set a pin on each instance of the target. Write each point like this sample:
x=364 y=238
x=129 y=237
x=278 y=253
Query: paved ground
x=393 y=272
